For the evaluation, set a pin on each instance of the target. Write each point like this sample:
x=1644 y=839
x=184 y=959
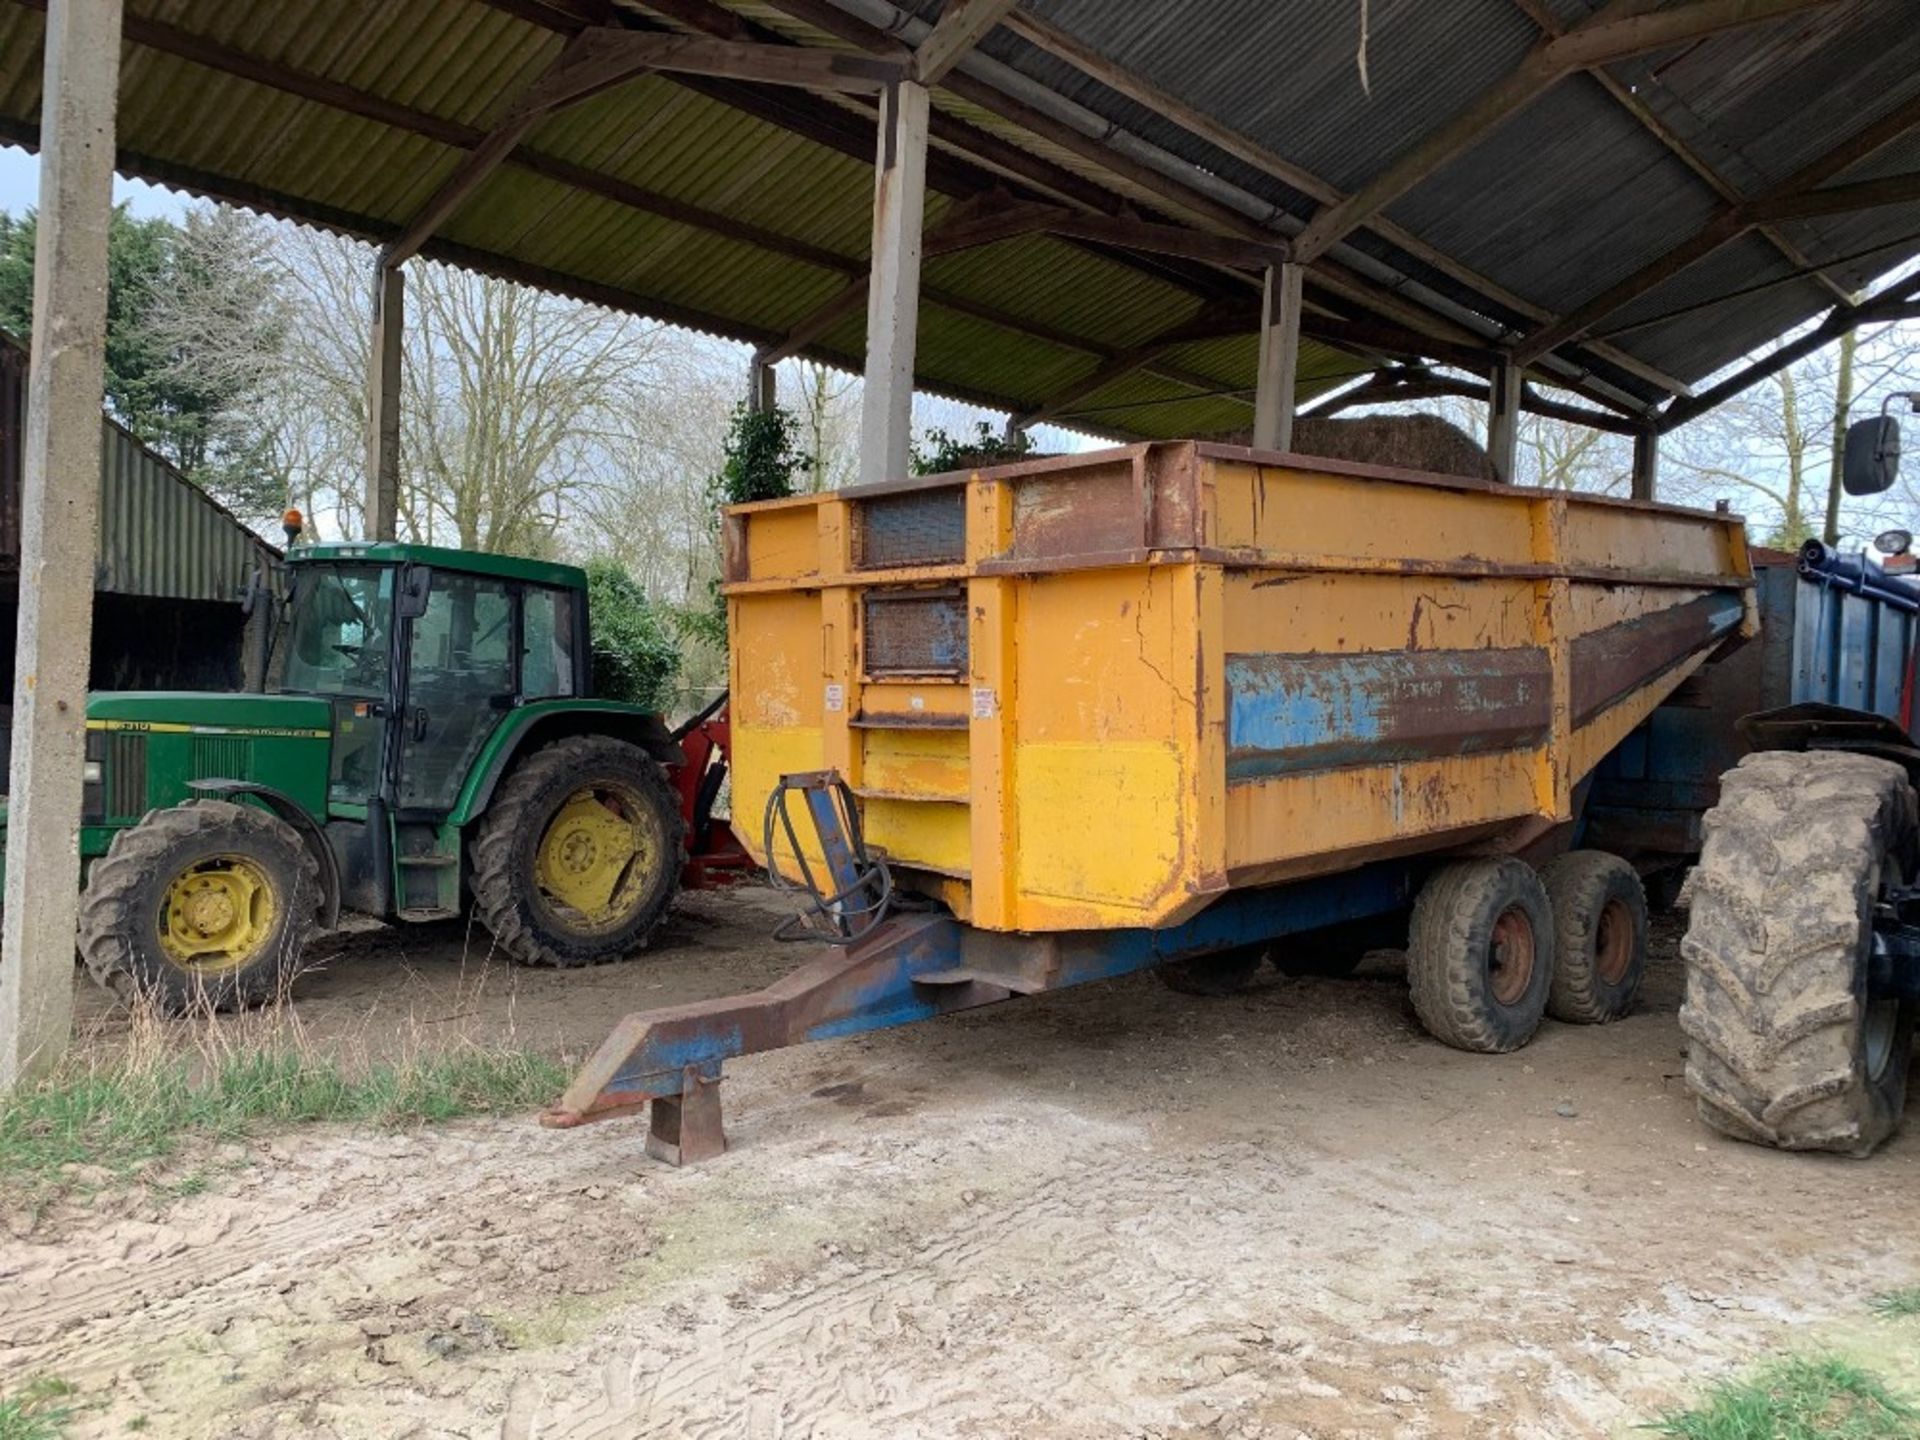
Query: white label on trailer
x=986 y=704
x=836 y=698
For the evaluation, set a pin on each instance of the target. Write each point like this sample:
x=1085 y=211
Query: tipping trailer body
x=1099 y=692
x=1154 y=706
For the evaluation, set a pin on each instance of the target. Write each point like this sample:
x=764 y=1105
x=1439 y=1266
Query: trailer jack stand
x=686 y=1127
x=900 y=971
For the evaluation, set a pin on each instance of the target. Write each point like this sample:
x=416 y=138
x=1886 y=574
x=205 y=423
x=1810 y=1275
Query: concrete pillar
x=1503 y=421
x=763 y=385
x=1279 y=374
x=1646 y=464
x=59 y=533
x=385 y=357
x=893 y=292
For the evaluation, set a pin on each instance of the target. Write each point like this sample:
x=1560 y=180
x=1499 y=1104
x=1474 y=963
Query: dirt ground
x=1115 y=1211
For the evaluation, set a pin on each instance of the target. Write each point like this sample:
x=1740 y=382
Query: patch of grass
x=88 y=1128
x=1798 y=1399
x=1897 y=1304
x=36 y=1412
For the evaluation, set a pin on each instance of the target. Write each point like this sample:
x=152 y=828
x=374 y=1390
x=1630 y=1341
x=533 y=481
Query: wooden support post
x=763 y=384
x=384 y=359
x=1279 y=374
x=1646 y=463
x=59 y=533
x=893 y=294
x=1503 y=420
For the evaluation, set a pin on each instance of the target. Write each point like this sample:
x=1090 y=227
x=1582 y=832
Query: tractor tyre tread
x=498 y=859
x=1446 y=954
x=109 y=921
x=1775 y=951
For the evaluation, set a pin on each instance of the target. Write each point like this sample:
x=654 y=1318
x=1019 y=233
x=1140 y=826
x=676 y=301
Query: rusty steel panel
x=1612 y=663
x=1292 y=713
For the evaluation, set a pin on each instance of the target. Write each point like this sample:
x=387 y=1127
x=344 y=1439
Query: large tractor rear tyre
x=579 y=854
x=1480 y=954
x=208 y=905
x=1785 y=1046
x=1599 y=936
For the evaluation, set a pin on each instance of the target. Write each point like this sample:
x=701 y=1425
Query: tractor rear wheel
x=1480 y=954
x=579 y=854
x=1786 y=1048
x=206 y=905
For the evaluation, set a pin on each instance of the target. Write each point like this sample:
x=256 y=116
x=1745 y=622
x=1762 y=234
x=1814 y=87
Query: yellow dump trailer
x=1185 y=706
x=1098 y=691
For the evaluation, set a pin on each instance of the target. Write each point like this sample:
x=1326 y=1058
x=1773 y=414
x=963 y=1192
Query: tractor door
x=459 y=682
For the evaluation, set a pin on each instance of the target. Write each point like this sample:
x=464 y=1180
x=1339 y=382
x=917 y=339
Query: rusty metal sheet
x=1293 y=713
x=1608 y=665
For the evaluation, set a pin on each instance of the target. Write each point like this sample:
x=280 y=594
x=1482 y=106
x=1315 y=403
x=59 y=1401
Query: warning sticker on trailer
x=986 y=704
x=836 y=698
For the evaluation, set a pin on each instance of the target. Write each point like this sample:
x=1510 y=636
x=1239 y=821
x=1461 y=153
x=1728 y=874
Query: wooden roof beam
x=1799 y=190
x=1063 y=46
x=1614 y=32
x=1116 y=366
x=1895 y=302
x=1629 y=100
x=962 y=25
x=587 y=64
x=760 y=63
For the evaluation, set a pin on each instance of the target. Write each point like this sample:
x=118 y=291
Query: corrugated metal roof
x=738 y=209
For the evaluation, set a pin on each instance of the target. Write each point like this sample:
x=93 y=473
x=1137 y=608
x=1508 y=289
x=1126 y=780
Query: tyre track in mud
x=853 y=1355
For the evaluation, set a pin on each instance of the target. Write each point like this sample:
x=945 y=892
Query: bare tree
x=511 y=400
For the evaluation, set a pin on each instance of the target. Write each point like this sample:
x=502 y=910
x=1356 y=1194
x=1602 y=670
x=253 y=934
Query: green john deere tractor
x=430 y=742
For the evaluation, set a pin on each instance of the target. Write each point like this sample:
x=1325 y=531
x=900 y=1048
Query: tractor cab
x=420 y=653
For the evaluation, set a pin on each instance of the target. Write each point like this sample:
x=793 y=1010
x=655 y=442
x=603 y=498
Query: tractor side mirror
x=1871 y=462
x=416 y=584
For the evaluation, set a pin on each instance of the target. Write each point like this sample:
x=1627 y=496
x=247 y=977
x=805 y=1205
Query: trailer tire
x=1599 y=936
x=1480 y=954
x=521 y=858
x=1225 y=972
x=205 y=905
x=1784 y=1047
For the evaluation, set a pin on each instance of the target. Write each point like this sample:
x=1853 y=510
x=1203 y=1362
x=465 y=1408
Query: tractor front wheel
x=579 y=854
x=206 y=905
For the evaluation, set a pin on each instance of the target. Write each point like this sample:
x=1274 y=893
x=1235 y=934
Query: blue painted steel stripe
x=1289 y=713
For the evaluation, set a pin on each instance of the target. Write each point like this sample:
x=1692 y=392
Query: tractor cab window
x=546 y=651
x=460 y=676
x=342 y=632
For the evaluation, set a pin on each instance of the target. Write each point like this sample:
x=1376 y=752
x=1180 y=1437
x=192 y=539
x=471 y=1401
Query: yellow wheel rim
x=596 y=857
x=217 y=915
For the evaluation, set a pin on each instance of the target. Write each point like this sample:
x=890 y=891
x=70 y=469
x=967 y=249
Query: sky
x=20 y=188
